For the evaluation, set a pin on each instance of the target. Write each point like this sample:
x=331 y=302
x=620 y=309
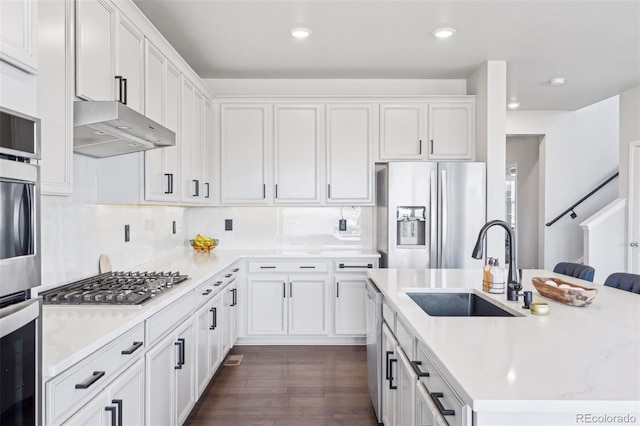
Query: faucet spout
x=514 y=282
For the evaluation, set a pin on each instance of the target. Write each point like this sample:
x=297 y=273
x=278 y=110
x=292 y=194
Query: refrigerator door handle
x=443 y=218
x=433 y=238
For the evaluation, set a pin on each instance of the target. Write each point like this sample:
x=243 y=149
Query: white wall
x=285 y=228
x=523 y=151
x=75 y=235
x=335 y=87
x=580 y=151
x=489 y=84
x=629 y=132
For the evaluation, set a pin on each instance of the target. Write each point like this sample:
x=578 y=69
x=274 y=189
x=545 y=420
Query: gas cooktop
x=113 y=288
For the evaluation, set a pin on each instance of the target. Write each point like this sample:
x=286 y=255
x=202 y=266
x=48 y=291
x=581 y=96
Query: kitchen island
x=577 y=365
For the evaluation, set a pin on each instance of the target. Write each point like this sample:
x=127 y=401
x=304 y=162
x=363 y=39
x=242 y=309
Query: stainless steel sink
x=458 y=304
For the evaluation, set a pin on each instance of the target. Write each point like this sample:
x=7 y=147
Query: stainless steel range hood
x=108 y=128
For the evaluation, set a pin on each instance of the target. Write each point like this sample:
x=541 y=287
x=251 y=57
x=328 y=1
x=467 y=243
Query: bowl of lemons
x=202 y=243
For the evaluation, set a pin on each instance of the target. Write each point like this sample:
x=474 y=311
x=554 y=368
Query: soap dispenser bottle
x=486 y=280
x=497 y=283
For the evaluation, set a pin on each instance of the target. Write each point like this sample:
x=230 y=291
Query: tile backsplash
x=75 y=235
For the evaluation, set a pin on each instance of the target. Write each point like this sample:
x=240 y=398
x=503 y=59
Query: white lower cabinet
x=209 y=337
x=279 y=305
x=230 y=316
x=427 y=414
x=406 y=383
x=389 y=371
x=350 y=296
x=122 y=402
x=171 y=377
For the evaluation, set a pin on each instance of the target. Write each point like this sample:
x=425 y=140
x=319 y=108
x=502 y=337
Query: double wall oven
x=20 y=271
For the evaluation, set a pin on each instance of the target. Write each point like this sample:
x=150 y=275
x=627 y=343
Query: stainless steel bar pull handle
x=120 y=88
x=214 y=318
x=169 y=183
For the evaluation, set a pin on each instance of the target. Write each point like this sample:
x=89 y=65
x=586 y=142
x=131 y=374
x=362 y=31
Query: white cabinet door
x=127 y=394
x=93 y=413
x=185 y=370
x=95 y=50
x=18 y=33
x=162 y=104
x=55 y=93
x=209 y=167
x=245 y=131
x=267 y=305
x=209 y=351
x=349 y=130
x=161 y=383
x=187 y=188
x=130 y=64
x=308 y=305
x=350 y=311
x=297 y=154
x=451 y=131
x=406 y=382
x=427 y=414
x=402 y=131
x=389 y=372
x=230 y=317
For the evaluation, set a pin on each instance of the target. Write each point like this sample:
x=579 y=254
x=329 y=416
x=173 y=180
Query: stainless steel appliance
x=374 y=347
x=114 y=288
x=20 y=328
x=107 y=128
x=429 y=213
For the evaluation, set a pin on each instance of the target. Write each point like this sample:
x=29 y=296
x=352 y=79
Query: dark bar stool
x=624 y=281
x=576 y=270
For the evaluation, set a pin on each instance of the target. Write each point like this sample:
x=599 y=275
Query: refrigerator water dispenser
x=411 y=223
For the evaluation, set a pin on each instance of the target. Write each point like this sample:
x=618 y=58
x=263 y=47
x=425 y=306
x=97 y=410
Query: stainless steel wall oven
x=20 y=270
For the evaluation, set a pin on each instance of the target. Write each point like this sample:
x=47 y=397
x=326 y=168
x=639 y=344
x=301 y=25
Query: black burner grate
x=113 y=288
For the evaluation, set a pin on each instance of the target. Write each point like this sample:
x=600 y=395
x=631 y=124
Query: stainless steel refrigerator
x=429 y=213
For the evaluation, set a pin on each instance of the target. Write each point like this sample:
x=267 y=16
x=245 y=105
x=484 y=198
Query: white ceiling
x=594 y=45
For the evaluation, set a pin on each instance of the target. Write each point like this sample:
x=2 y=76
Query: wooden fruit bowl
x=577 y=295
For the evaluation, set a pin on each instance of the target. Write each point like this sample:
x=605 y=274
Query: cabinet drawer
x=167 y=319
x=73 y=388
x=228 y=276
x=354 y=265
x=405 y=338
x=441 y=393
x=206 y=290
x=288 y=267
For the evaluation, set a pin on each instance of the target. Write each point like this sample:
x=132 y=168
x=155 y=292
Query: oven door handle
x=14 y=317
x=29 y=217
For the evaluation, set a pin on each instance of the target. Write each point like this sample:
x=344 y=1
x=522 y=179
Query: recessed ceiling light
x=444 y=32
x=513 y=105
x=300 y=32
x=558 y=81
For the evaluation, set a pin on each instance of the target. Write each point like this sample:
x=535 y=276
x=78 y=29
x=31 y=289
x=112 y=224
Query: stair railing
x=577 y=203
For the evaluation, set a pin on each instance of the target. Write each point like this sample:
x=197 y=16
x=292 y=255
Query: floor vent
x=233 y=360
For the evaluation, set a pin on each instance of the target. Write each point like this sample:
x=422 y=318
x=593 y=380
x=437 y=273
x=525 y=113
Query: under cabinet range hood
x=108 y=128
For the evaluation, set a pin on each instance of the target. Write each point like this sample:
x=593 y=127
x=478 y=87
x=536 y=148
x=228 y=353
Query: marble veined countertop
x=576 y=358
x=71 y=333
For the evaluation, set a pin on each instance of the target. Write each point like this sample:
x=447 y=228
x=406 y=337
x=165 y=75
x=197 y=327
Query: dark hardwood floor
x=289 y=385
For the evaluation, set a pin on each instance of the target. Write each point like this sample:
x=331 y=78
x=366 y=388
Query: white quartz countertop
x=575 y=358
x=70 y=333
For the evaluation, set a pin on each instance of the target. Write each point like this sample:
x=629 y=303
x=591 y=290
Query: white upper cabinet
x=297 y=154
x=130 y=64
x=18 y=33
x=245 y=131
x=95 y=50
x=451 y=131
x=162 y=104
x=109 y=55
x=402 y=132
x=349 y=130
x=209 y=167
